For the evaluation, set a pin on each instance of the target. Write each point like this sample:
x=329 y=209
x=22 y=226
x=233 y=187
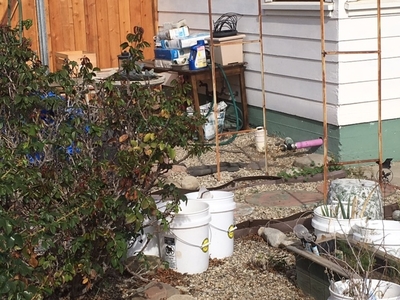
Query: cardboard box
x=76 y=56
x=185 y=42
x=175 y=33
x=178 y=33
x=171 y=54
x=228 y=50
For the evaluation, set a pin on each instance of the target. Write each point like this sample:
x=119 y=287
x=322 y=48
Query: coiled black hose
x=226 y=25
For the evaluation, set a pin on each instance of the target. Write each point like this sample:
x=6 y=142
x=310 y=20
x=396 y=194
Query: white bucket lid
x=191 y=214
x=221 y=200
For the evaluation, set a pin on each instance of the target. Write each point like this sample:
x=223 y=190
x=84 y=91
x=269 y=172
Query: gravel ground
x=255 y=270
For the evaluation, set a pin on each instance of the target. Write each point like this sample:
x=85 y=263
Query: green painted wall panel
x=345 y=143
x=299 y=129
x=361 y=141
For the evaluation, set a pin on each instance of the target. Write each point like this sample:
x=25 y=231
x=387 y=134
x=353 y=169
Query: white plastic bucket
x=185 y=246
x=260 y=136
x=378 y=289
x=222 y=206
x=382 y=234
x=324 y=225
x=138 y=245
x=151 y=229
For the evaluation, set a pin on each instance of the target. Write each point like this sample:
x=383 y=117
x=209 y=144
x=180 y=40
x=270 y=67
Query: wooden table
x=195 y=76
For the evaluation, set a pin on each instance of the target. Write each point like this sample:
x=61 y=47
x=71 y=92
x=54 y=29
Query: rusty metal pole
x=379 y=36
x=262 y=84
x=324 y=100
x=214 y=87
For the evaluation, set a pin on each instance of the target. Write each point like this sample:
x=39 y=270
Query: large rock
x=272 y=236
x=190 y=183
x=169 y=180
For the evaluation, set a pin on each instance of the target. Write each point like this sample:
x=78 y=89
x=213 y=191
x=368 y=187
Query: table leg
x=243 y=98
x=196 y=102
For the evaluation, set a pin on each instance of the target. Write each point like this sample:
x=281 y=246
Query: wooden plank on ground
x=297 y=249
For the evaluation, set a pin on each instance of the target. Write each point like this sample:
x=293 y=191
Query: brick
x=155 y=291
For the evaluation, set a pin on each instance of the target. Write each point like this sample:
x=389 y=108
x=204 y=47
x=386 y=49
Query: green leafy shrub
x=308 y=172
x=78 y=168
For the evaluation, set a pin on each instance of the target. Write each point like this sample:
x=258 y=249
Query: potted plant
x=329 y=219
x=131 y=66
x=364 y=289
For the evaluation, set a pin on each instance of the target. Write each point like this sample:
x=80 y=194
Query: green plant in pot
x=78 y=173
x=340 y=217
x=332 y=219
x=345 y=210
x=131 y=58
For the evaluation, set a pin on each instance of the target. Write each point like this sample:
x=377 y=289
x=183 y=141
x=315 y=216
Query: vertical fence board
x=3 y=11
x=149 y=26
x=78 y=13
x=97 y=26
x=32 y=33
x=113 y=31
x=56 y=26
x=135 y=11
x=102 y=34
x=125 y=25
x=91 y=28
x=67 y=24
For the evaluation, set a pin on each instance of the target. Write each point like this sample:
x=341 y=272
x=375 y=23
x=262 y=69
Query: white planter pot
x=324 y=225
x=348 y=190
x=376 y=289
x=382 y=234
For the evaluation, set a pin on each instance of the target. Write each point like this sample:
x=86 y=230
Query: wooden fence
x=97 y=26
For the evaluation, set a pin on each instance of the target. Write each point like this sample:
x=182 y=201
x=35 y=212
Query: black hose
x=226 y=25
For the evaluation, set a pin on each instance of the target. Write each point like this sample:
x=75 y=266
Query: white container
x=138 y=245
x=260 y=135
x=222 y=206
x=229 y=50
x=185 y=246
x=378 y=289
x=348 y=190
x=324 y=226
x=382 y=234
x=150 y=230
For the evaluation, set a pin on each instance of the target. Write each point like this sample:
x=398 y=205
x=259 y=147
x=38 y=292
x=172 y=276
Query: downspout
x=41 y=17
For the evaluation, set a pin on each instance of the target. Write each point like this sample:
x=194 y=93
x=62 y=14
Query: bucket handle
x=230 y=230
x=207 y=244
